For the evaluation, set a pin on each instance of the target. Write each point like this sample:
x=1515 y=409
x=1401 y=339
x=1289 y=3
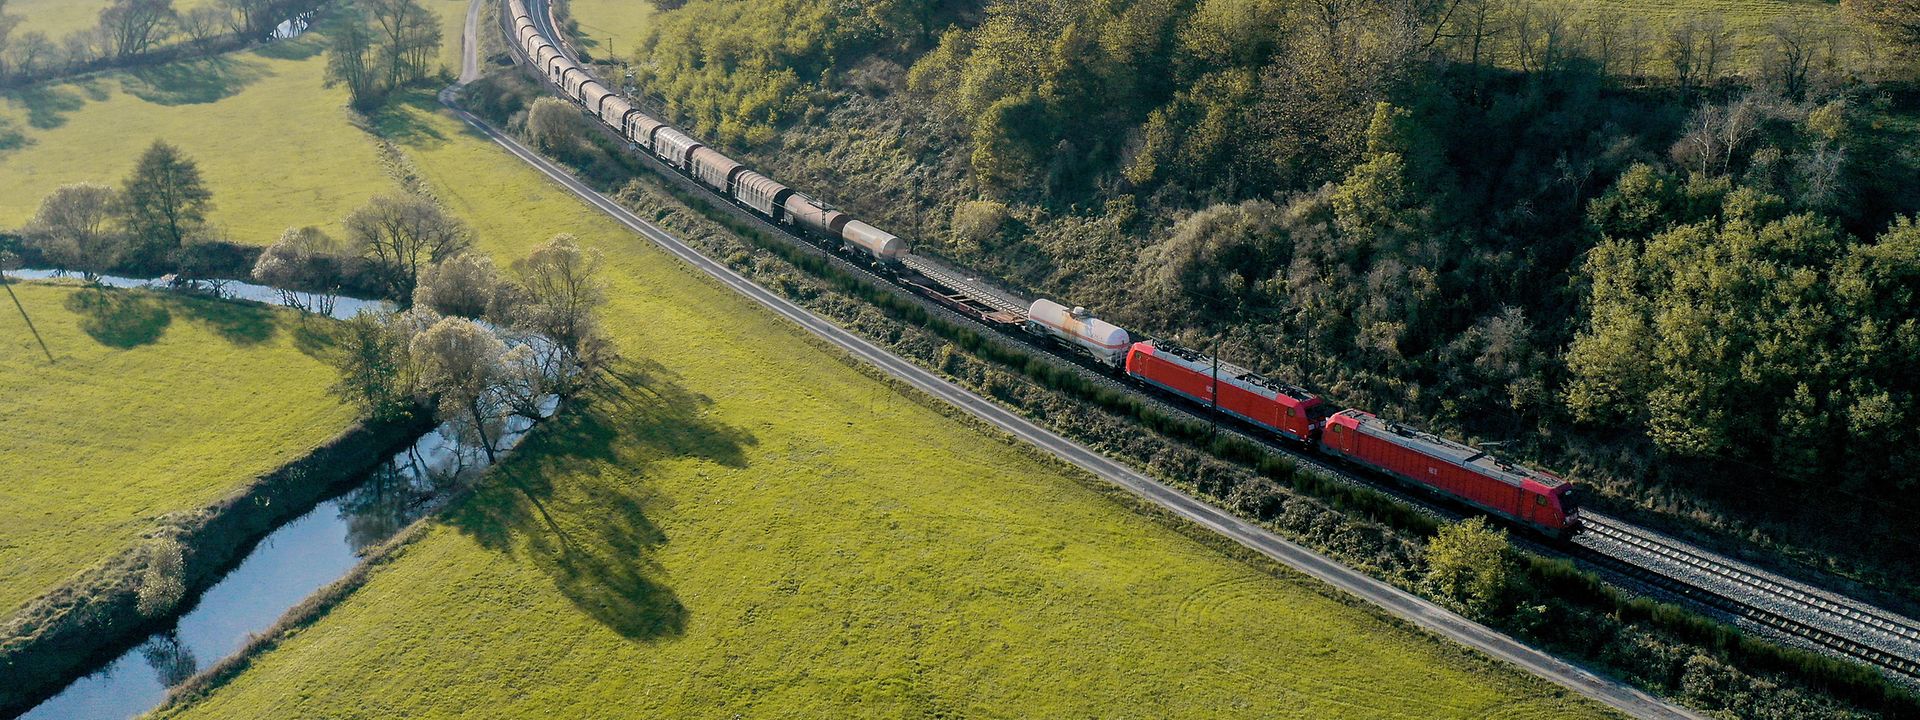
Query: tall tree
x=133 y=26
x=409 y=39
x=350 y=59
x=74 y=228
x=402 y=235
x=164 y=201
x=563 y=295
x=460 y=365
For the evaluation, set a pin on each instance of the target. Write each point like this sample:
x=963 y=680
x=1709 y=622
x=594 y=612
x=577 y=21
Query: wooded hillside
x=1671 y=260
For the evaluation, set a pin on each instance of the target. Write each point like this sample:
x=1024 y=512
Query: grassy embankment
x=749 y=525
x=611 y=29
x=156 y=404
x=1750 y=21
x=275 y=147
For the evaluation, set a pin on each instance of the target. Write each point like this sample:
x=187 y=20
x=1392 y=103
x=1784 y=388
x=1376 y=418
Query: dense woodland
x=1643 y=253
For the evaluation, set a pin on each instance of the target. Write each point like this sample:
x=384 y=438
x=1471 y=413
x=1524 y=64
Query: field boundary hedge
x=97 y=613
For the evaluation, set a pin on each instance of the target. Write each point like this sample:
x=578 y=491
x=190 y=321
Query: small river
x=289 y=564
x=342 y=307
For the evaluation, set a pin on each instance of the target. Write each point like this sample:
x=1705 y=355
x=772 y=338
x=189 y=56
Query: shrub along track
x=1403 y=604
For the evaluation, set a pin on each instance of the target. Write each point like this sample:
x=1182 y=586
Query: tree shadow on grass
x=119 y=319
x=47 y=106
x=315 y=339
x=240 y=323
x=307 y=45
x=193 y=82
x=407 y=120
x=574 y=499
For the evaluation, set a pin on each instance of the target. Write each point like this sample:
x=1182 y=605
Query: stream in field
x=287 y=565
x=290 y=563
x=336 y=306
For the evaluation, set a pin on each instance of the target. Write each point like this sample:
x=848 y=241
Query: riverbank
x=99 y=613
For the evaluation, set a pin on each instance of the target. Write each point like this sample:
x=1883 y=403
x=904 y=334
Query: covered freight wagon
x=1292 y=412
x=1529 y=496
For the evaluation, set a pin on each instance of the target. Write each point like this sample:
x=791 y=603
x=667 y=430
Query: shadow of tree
x=47 y=106
x=240 y=323
x=315 y=339
x=119 y=319
x=593 y=535
x=405 y=120
x=307 y=45
x=192 y=82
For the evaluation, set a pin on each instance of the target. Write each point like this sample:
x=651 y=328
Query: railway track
x=1756 y=598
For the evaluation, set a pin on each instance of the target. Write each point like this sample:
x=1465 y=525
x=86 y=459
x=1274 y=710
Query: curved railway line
x=1837 y=625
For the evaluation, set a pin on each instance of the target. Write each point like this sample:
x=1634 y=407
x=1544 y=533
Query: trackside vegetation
x=742 y=522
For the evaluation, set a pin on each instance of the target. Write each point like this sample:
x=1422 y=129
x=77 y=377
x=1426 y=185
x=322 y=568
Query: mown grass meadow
x=744 y=523
x=155 y=404
x=276 y=148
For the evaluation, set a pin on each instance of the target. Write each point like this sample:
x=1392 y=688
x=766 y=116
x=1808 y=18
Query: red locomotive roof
x=1231 y=374
x=1443 y=449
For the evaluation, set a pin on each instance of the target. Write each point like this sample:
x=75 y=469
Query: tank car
x=1079 y=329
x=1287 y=410
x=1531 y=497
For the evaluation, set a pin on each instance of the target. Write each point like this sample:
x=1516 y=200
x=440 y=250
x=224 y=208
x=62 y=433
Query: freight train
x=1522 y=495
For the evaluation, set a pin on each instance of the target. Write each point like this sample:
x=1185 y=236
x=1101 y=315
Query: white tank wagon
x=674 y=146
x=882 y=245
x=712 y=168
x=803 y=211
x=1079 y=329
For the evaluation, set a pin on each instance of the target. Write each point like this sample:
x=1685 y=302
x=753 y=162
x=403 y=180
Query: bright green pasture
x=276 y=148
x=58 y=18
x=613 y=28
x=155 y=404
x=748 y=526
x=1750 y=20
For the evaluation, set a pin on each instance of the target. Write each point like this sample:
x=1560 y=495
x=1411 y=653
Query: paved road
x=1411 y=607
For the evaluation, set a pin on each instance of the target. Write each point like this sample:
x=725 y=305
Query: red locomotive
x=1290 y=411
x=1529 y=496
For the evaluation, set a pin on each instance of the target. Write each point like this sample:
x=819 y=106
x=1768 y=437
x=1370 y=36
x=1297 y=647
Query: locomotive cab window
x=1540 y=500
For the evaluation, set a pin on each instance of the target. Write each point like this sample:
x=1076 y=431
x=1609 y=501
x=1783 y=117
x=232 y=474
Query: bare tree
x=31 y=51
x=81 y=46
x=165 y=201
x=1896 y=20
x=134 y=26
x=564 y=295
x=302 y=259
x=409 y=39
x=463 y=285
x=402 y=235
x=204 y=23
x=350 y=59
x=460 y=366
x=1785 y=56
x=74 y=228
x=7 y=24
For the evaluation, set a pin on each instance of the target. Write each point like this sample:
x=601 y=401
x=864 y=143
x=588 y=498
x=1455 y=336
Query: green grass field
x=276 y=148
x=747 y=526
x=156 y=404
x=1750 y=20
x=617 y=26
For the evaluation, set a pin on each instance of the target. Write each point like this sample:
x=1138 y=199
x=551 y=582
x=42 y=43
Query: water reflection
x=288 y=565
